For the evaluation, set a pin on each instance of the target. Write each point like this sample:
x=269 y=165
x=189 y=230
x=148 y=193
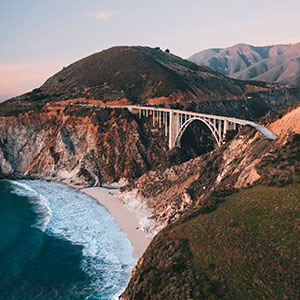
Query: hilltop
x=139 y=75
x=276 y=63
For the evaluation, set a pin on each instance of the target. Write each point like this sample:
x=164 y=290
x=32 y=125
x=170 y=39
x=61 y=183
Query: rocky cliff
x=79 y=145
x=238 y=164
x=237 y=229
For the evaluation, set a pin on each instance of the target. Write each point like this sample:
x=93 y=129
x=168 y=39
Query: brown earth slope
x=237 y=164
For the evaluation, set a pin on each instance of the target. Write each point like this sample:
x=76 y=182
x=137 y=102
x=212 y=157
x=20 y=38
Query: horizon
x=42 y=48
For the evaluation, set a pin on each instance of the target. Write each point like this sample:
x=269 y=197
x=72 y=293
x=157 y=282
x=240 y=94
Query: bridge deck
x=193 y=115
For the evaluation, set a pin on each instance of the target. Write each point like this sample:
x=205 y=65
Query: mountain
x=137 y=75
x=284 y=68
x=277 y=63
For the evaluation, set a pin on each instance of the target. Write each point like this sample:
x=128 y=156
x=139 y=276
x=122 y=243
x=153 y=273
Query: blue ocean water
x=56 y=243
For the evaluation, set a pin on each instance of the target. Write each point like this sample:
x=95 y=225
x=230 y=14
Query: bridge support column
x=219 y=122
x=225 y=128
x=166 y=123
x=173 y=128
x=153 y=118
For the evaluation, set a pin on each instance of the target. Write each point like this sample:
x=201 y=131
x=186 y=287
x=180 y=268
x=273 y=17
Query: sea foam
x=67 y=214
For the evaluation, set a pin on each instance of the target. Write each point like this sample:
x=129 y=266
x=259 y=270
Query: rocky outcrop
x=79 y=145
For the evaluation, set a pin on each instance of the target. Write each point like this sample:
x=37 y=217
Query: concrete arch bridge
x=175 y=122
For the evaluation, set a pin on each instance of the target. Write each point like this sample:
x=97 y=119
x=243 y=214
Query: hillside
x=283 y=68
x=246 y=248
x=136 y=75
x=144 y=75
x=237 y=229
x=277 y=63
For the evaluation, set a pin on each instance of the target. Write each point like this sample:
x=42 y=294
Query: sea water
x=57 y=243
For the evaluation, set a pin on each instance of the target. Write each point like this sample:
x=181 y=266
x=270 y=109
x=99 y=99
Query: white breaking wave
x=38 y=201
x=74 y=216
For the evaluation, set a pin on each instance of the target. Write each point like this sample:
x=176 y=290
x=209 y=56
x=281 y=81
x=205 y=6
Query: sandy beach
x=125 y=218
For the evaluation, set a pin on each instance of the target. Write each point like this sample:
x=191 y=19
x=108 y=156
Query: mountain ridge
x=276 y=63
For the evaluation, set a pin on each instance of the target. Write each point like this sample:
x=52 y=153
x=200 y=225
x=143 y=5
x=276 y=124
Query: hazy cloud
x=102 y=15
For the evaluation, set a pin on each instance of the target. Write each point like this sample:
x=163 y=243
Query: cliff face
x=248 y=158
x=223 y=226
x=79 y=145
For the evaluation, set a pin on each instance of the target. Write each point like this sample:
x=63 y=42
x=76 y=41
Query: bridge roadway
x=175 y=122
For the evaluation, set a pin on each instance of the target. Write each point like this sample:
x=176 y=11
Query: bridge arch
x=175 y=122
x=211 y=126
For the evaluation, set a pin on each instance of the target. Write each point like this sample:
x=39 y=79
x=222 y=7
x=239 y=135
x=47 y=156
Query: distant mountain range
x=276 y=63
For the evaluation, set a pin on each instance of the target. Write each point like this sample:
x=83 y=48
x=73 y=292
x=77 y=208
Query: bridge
x=175 y=122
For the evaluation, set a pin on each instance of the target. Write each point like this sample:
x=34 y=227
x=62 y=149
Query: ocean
x=56 y=243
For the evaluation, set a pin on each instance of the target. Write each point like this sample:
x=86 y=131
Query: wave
x=38 y=201
x=67 y=214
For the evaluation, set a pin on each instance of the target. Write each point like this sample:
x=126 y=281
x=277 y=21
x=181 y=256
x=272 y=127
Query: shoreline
x=108 y=197
x=126 y=219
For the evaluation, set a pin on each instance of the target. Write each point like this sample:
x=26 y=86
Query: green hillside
x=244 y=246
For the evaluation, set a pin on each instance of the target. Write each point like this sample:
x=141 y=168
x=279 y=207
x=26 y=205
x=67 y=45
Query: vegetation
x=246 y=247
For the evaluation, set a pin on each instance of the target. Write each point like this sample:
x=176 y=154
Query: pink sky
x=19 y=78
x=39 y=37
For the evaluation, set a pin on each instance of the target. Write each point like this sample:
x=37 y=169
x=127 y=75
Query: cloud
x=102 y=15
x=18 y=78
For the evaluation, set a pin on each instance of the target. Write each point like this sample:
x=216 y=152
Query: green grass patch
x=252 y=241
x=247 y=247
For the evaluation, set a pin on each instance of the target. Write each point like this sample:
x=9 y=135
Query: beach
x=126 y=219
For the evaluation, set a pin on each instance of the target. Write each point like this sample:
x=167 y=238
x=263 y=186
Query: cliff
x=249 y=158
x=79 y=145
x=233 y=218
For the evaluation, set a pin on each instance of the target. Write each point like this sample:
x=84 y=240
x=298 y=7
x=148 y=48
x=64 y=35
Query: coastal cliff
x=233 y=218
x=79 y=146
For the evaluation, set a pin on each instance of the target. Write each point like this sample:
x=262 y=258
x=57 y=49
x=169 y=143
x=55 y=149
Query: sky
x=39 y=37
